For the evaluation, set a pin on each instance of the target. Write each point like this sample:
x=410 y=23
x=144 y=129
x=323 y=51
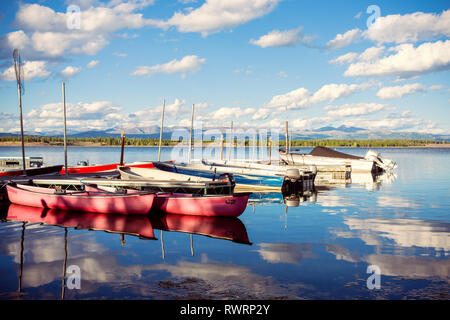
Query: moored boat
x=104 y=167
x=31 y=171
x=99 y=202
x=371 y=162
x=202 y=205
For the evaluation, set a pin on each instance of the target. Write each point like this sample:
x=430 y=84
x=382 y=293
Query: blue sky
x=257 y=63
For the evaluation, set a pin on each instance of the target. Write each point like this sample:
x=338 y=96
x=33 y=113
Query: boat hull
x=103 y=167
x=357 y=165
x=207 y=205
x=243 y=177
x=31 y=171
x=139 y=204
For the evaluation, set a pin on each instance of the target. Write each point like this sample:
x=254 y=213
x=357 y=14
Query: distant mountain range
x=342 y=132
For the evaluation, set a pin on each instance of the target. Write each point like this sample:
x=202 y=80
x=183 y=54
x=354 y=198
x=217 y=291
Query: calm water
x=318 y=250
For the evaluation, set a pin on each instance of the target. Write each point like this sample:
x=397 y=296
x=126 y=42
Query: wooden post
x=270 y=150
x=190 y=137
x=65 y=128
x=221 y=148
x=231 y=143
x=161 y=130
x=287 y=137
x=21 y=129
x=122 y=149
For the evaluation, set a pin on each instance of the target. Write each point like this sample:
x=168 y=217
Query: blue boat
x=240 y=178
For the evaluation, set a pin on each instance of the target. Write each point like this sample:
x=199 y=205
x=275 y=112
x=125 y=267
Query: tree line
x=116 y=141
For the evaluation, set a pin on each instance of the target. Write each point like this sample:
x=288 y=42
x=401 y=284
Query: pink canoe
x=136 y=225
x=98 y=202
x=202 y=205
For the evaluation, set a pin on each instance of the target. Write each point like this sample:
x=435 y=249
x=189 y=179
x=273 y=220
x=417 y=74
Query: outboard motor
x=385 y=164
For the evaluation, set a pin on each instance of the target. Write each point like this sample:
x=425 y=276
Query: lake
x=332 y=246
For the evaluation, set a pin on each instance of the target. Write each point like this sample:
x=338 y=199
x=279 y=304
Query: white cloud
x=70 y=71
x=355 y=109
x=345 y=58
x=92 y=64
x=286 y=38
x=301 y=98
x=44 y=32
x=31 y=69
x=343 y=40
x=216 y=15
x=400 y=91
x=412 y=27
x=295 y=99
x=227 y=113
x=406 y=61
x=186 y=64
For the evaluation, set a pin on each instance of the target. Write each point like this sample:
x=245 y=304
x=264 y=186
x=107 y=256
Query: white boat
x=320 y=156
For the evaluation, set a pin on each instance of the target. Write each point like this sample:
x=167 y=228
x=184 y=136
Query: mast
x=161 y=130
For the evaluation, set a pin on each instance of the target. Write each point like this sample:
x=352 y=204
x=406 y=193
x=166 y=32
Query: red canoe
x=104 y=167
x=97 y=202
x=31 y=171
x=134 y=225
x=227 y=228
x=202 y=205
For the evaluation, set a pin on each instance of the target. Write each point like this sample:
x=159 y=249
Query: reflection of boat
x=372 y=161
x=202 y=205
x=124 y=224
x=99 y=202
x=103 y=167
x=227 y=228
x=372 y=181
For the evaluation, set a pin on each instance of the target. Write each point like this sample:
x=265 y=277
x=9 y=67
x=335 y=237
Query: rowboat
x=31 y=171
x=169 y=172
x=232 y=205
x=202 y=205
x=104 y=167
x=371 y=162
x=226 y=228
x=98 y=202
x=241 y=176
x=136 y=225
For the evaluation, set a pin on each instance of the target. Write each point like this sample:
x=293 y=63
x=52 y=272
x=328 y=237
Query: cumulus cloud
x=406 y=61
x=70 y=71
x=412 y=27
x=92 y=64
x=31 y=70
x=355 y=109
x=301 y=98
x=286 y=38
x=44 y=33
x=396 y=28
x=186 y=64
x=400 y=91
x=343 y=40
x=216 y=15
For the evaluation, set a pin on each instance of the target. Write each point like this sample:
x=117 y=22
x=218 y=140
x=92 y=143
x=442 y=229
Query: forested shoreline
x=116 y=141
